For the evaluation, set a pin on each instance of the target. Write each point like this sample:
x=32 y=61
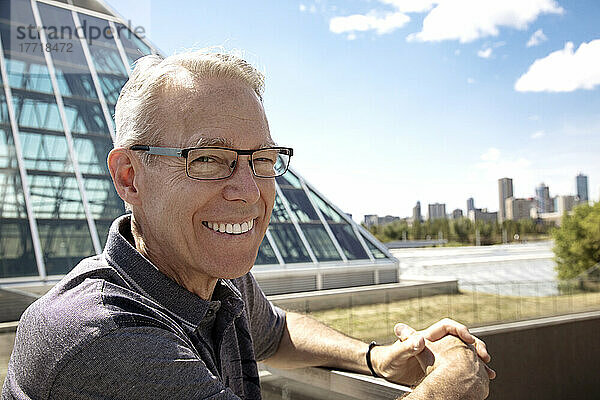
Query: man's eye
x=265 y=160
x=205 y=159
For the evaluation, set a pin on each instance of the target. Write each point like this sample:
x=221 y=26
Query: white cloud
x=470 y=81
x=351 y=36
x=492 y=154
x=564 y=70
x=382 y=24
x=468 y=20
x=538 y=134
x=494 y=165
x=410 y=6
x=537 y=38
x=302 y=7
x=487 y=53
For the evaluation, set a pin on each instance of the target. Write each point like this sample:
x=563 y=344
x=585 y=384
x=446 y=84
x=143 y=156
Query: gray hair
x=137 y=112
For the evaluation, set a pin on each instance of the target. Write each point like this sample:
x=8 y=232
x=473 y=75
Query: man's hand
x=398 y=362
x=454 y=371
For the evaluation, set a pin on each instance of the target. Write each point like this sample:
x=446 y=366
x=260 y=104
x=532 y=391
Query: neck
x=199 y=284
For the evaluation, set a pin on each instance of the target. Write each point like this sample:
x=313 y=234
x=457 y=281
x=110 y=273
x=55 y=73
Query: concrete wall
x=550 y=358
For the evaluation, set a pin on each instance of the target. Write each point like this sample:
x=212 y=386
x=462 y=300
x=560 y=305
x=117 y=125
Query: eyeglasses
x=213 y=163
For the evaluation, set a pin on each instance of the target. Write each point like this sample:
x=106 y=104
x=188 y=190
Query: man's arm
x=307 y=342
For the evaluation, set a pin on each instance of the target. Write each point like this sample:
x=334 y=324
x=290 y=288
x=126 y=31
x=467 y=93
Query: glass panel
x=311 y=225
x=131 y=42
x=65 y=243
x=266 y=255
x=111 y=87
x=285 y=235
x=37 y=112
x=55 y=196
x=107 y=60
x=16 y=246
x=288 y=242
x=16 y=12
x=45 y=152
x=374 y=250
x=320 y=242
x=30 y=76
x=342 y=230
x=105 y=204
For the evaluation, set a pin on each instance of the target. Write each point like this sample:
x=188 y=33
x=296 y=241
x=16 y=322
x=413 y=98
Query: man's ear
x=123 y=167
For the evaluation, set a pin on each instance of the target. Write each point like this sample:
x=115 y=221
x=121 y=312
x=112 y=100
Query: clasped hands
x=417 y=354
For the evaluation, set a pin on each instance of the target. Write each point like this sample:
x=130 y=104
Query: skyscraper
x=542 y=197
x=582 y=187
x=505 y=190
x=436 y=211
x=470 y=204
x=417 y=217
x=57 y=200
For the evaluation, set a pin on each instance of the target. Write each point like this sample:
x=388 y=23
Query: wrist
x=370 y=360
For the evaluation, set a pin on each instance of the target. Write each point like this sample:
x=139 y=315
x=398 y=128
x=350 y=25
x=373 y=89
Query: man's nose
x=241 y=185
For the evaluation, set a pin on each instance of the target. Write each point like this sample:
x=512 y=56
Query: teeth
x=230 y=228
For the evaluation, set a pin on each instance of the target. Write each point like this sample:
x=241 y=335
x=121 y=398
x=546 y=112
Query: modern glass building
x=63 y=64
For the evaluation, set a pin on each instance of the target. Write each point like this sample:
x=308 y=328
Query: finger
x=403 y=331
x=448 y=326
x=491 y=373
x=482 y=350
x=409 y=347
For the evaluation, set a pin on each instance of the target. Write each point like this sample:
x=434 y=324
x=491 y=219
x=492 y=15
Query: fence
x=476 y=304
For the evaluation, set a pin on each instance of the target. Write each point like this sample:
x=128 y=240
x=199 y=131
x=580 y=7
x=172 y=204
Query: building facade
x=542 y=197
x=57 y=97
x=417 y=216
x=505 y=190
x=436 y=211
x=470 y=204
x=457 y=214
x=582 y=187
x=517 y=209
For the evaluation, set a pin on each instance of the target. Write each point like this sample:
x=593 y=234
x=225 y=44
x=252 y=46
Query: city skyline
x=442 y=98
x=476 y=206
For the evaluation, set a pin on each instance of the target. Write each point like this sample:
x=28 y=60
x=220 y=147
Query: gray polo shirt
x=117 y=328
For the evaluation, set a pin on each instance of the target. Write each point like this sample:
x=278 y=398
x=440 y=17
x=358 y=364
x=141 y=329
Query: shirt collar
x=144 y=277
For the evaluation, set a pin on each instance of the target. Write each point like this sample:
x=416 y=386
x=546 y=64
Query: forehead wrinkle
x=225 y=142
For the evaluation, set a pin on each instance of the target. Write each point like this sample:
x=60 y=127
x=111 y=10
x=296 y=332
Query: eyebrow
x=225 y=142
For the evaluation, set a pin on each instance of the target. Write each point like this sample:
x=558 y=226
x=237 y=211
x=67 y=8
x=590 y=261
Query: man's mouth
x=229 y=227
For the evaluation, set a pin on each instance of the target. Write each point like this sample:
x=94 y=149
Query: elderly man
x=170 y=308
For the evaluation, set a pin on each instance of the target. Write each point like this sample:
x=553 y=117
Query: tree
x=577 y=241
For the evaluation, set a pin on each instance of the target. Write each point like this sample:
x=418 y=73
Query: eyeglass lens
x=220 y=163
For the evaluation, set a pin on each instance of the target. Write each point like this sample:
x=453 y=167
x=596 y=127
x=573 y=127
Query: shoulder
x=136 y=363
x=92 y=303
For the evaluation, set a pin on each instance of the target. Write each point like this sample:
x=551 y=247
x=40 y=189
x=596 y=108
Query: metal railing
x=476 y=304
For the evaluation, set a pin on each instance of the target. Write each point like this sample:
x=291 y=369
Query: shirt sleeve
x=137 y=363
x=267 y=321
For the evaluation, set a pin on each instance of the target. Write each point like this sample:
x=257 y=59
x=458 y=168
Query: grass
x=376 y=321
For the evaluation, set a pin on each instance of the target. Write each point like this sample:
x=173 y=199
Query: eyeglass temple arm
x=159 y=151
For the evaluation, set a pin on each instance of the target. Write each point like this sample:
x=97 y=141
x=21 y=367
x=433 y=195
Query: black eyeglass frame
x=183 y=153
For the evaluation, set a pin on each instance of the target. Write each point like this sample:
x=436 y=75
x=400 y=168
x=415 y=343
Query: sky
x=390 y=102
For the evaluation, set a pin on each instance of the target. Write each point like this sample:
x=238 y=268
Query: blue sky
x=387 y=102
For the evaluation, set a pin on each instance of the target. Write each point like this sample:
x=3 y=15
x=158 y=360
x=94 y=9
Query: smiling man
x=170 y=308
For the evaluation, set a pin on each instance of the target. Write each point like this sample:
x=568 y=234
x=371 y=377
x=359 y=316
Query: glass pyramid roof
x=56 y=197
